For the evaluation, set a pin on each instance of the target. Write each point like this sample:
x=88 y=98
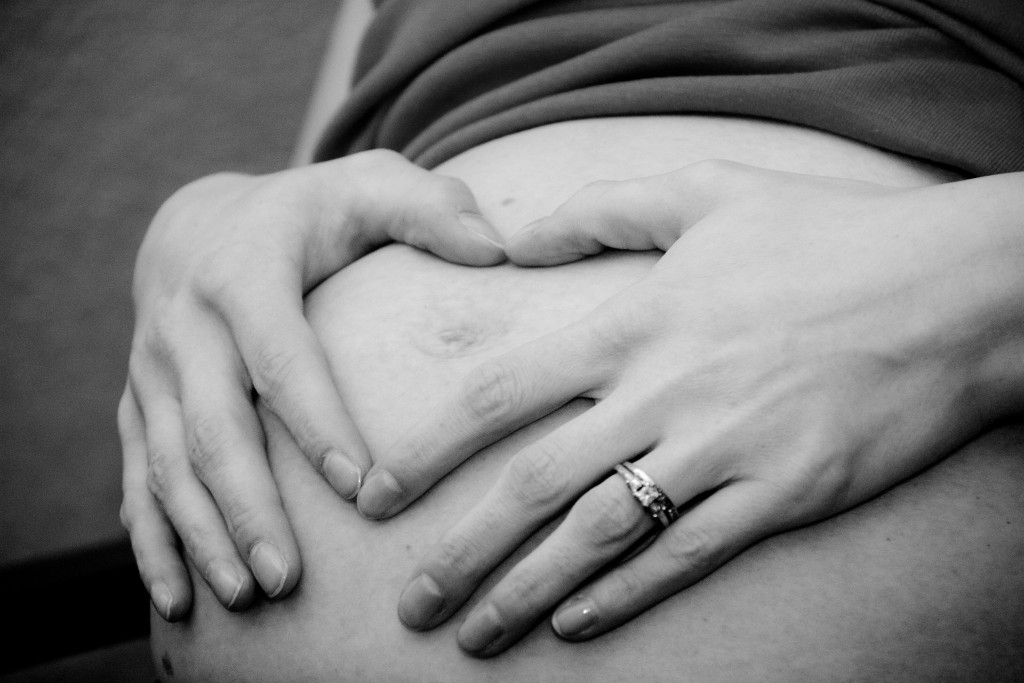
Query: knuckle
x=369 y=169
x=492 y=393
x=153 y=341
x=693 y=552
x=437 y=198
x=271 y=370
x=537 y=477
x=215 y=276
x=451 y=191
x=243 y=520
x=608 y=522
x=626 y=584
x=457 y=554
x=225 y=278
x=209 y=441
x=161 y=338
x=197 y=542
x=376 y=159
x=160 y=476
x=415 y=453
x=815 y=481
x=618 y=333
x=624 y=325
x=520 y=592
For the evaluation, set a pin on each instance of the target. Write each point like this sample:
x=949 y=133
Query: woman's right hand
x=218 y=289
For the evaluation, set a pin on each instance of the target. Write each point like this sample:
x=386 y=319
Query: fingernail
x=342 y=474
x=225 y=580
x=163 y=599
x=481 y=630
x=477 y=225
x=421 y=601
x=269 y=566
x=379 y=494
x=575 y=617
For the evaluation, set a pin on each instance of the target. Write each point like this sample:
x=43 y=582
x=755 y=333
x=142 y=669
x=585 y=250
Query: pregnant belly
x=401 y=327
x=402 y=304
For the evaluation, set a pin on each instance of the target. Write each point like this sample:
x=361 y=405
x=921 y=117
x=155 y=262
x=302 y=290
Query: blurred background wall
x=106 y=107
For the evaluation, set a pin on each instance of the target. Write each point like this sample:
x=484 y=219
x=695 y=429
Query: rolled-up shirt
x=941 y=80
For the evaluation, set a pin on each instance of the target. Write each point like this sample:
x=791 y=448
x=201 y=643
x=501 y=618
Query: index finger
x=495 y=399
x=290 y=372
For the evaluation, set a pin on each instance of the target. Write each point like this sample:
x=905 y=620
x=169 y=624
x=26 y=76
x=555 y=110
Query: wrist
x=987 y=280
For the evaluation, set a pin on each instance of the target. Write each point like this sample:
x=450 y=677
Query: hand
x=803 y=344
x=219 y=288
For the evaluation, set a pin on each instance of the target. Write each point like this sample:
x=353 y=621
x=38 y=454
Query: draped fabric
x=940 y=80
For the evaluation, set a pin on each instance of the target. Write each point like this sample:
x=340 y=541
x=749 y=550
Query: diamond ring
x=650 y=496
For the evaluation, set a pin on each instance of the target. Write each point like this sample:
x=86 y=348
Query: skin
x=919 y=583
x=218 y=292
x=394 y=348
x=798 y=403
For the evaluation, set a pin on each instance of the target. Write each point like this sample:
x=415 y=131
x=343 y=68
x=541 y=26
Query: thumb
x=638 y=214
x=439 y=214
x=366 y=200
x=430 y=211
x=470 y=239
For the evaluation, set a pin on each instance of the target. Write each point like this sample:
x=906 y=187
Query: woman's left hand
x=804 y=344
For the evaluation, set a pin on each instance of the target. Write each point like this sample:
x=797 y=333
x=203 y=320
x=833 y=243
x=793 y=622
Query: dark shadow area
x=106 y=107
x=65 y=605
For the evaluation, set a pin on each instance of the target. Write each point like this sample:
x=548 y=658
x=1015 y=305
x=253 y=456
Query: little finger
x=154 y=542
x=701 y=541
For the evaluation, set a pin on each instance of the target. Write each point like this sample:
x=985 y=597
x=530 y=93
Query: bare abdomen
x=920 y=583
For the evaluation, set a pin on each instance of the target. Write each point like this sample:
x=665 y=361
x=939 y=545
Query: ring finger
x=538 y=483
x=153 y=539
x=603 y=525
x=225 y=441
x=704 y=539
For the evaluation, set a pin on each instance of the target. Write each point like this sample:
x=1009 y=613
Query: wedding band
x=650 y=496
